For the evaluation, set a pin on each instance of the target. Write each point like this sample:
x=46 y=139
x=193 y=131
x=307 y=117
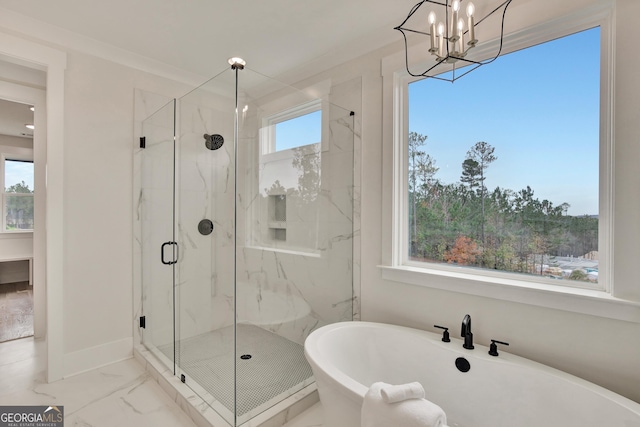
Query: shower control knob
x=205 y=227
x=493 y=348
x=445 y=334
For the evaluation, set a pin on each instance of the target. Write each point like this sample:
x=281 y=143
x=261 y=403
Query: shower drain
x=245 y=357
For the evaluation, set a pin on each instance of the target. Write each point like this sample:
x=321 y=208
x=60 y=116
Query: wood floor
x=16 y=311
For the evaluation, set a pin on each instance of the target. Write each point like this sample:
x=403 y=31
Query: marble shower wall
x=313 y=257
x=205 y=191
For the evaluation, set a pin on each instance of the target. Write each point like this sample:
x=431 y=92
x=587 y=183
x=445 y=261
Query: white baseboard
x=98 y=356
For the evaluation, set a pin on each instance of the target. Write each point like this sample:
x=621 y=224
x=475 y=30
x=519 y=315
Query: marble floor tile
x=312 y=417
x=120 y=394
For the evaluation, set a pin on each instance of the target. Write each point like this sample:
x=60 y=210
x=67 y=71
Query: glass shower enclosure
x=247 y=236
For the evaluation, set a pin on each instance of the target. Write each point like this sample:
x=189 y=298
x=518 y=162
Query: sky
x=16 y=172
x=302 y=130
x=538 y=107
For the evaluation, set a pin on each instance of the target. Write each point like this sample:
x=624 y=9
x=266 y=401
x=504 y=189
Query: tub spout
x=466 y=333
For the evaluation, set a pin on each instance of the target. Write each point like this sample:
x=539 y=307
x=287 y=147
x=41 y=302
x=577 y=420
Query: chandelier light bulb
x=461 y=35
x=471 y=9
x=440 y=39
x=432 y=32
x=451 y=31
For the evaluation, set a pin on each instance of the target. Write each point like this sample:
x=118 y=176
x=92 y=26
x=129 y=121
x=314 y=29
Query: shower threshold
x=269 y=369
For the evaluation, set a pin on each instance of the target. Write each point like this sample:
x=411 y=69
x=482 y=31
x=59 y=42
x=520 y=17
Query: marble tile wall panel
x=205 y=190
x=315 y=263
x=348 y=94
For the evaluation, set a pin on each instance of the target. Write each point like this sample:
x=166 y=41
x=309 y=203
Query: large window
x=503 y=165
x=17 y=195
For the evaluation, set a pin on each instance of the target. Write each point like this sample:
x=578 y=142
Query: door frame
x=53 y=62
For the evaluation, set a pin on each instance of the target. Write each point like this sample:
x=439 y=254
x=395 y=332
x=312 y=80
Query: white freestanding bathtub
x=502 y=391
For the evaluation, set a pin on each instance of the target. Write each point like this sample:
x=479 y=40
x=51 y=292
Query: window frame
x=16 y=157
x=268 y=137
x=502 y=285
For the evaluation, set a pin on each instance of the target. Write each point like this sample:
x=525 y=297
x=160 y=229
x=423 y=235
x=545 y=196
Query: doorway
x=22 y=206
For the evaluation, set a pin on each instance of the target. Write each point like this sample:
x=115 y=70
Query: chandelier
x=450 y=35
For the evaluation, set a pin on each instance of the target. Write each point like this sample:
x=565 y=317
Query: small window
x=302 y=130
x=293 y=128
x=18 y=202
x=289 y=179
x=503 y=165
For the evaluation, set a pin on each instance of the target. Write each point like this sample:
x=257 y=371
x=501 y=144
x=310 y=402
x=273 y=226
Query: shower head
x=213 y=142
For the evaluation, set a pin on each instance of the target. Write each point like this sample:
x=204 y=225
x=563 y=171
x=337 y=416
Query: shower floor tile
x=275 y=366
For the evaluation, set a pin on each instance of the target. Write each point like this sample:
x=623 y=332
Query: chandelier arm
x=425 y=73
x=508 y=2
x=413 y=10
x=413 y=31
x=478 y=65
x=406 y=53
x=437 y=78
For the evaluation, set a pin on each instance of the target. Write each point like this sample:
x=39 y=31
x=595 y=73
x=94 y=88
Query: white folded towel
x=398 y=393
x=407 y=413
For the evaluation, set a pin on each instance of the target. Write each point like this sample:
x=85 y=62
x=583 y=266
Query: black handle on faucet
x=445 y=334
x=493 y=348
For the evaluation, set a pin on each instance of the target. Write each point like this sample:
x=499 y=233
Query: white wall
x=98 y=157
x=601 y=350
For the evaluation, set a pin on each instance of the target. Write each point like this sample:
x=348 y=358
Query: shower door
x=159 y=251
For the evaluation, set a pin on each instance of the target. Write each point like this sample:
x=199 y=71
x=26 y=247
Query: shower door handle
x=174 y=261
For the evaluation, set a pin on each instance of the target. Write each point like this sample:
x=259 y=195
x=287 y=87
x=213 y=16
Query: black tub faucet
x=466 y=333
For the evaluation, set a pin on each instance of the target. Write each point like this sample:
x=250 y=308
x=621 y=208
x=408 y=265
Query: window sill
x=27 y=234
x=584 y=301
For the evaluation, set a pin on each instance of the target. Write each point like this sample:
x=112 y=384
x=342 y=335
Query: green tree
x=415 y=142
x=471 y=174
x=20 y=187
x=426 y=170
x=482 y=153
x=19 y=208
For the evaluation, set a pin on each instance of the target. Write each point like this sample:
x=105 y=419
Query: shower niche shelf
x=278 y=217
